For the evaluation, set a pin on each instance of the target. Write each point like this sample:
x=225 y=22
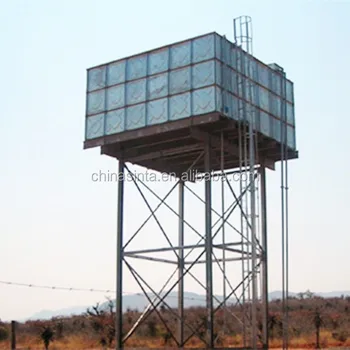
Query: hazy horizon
x=133 y=301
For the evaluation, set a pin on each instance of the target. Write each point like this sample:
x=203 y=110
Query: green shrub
x=4 y=333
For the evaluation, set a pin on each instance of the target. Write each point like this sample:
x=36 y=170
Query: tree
x=309 y=294
x=163 y=308
x=301 y=295
x=318 y=322
x=273 y=323
x=166 y=338
x=59 y=329
x=152 y=328
x=102 y=322
x=4 y=333
x=47 y=336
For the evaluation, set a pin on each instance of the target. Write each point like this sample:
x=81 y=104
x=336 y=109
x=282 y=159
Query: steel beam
x=264 y=263
x=165 y=249
x=180 y=150
x=151 y=258
x=209 y=247
x=215 y=141
x=119 y=262
x=220 y=260
x=181 y=264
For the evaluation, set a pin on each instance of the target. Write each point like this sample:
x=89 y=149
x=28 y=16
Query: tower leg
x=119 y=262
x=209 y=247
x=181 y=265
x=265 y=300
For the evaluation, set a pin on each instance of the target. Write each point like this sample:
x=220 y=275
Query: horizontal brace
x=153 y=259
x=136 y=148
x=170 y=249
x=165 y=153
x=167 y=249
x=231 y=249
x=226 y=173
x=228 y=244
x=258 y=247
x=221 y=260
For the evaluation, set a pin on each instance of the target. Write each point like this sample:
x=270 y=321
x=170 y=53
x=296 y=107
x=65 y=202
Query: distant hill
x=140 y=302
x=336 y=294
x=48 y=314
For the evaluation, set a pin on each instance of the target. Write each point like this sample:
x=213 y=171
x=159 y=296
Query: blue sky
x=58 y=227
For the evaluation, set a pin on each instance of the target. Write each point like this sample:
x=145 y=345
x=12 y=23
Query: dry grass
x=87 y=331
x=78 y=342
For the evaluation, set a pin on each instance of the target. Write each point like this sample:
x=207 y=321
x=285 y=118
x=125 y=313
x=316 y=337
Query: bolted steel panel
x=198 y=76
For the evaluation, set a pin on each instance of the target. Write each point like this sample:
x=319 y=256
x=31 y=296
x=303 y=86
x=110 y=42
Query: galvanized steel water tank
x=186 y=79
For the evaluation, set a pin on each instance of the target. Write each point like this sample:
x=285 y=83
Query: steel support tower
x=214 y=248
x=226 y=254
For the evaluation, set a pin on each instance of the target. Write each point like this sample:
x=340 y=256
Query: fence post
x=13 y=335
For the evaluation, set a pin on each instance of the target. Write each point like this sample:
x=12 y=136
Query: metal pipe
x=223 y=231
x=286 y=209
x=241 y=143
x=220 y=260
x=253 y=234
x=245 y=213
x=119 y=262
x=151 y=258
x=283 y=105
x=287 y=255
x=165 y=249
x=264 y=264
x=181 y=266
x=209 y=248
x=251 y=120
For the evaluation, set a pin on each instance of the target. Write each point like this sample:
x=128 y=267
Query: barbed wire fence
x=110 y=292
x=93 y=290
